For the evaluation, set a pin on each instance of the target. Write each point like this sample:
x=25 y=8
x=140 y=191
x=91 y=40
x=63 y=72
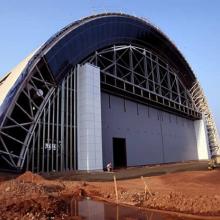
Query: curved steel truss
x=21 y=119
x=202 y=104
x=139 y=72
x=39 y=131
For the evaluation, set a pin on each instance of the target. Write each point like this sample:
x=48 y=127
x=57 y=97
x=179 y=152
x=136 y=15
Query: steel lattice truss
x=202 y=104
x=40 y=127
x=139 y=72
x=21 y=118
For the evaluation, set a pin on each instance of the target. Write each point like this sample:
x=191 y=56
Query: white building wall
x=89 y=130
x=152 y=135
x=202 y=140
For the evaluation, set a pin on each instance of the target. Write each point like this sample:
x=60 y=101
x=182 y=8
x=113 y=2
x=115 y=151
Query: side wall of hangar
x=138 y=63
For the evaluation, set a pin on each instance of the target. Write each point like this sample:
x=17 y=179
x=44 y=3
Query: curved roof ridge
x=23 y=68
x=52 y=39
x=64 y=31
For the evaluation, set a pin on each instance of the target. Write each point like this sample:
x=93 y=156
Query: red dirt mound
x=30 y=177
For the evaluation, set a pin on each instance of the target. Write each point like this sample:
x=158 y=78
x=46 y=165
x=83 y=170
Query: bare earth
x=30 y=196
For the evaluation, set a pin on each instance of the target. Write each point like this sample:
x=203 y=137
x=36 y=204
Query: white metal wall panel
x=202 y=140
x=89 y=131
x=152 y=136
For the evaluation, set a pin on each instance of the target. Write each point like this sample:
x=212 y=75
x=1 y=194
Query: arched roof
x=81 y=38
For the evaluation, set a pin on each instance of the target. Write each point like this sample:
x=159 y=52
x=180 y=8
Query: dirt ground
x=31 y=196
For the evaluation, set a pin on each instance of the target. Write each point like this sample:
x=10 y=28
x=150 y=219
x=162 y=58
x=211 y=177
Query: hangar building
x=107 y=88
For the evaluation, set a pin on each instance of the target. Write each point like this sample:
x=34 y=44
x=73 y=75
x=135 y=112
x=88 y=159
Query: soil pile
x=30 y=196
x=35 y=208
x=30 y=177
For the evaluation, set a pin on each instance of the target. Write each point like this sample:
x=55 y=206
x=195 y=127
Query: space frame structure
x=39 y=113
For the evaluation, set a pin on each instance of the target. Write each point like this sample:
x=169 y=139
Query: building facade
x=107 y=88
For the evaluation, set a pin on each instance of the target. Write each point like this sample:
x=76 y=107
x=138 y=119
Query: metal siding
x=152 y=136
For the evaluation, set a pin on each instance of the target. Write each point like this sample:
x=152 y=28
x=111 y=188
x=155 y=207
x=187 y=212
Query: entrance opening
x=119 y=152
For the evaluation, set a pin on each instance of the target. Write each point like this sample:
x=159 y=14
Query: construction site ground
x=188 y=188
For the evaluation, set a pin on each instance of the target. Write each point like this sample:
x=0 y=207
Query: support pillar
x=202 y=140
x=89 y=130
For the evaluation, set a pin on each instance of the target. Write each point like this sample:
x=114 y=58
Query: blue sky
x=193 y=25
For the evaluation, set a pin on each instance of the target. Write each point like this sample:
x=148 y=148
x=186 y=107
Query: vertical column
x=89 y=130
x=62 y=146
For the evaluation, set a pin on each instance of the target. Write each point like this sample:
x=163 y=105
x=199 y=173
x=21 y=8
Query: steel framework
x=20 y=120
x=202 y=104
x=53 y=141
x=137 y=71
x=40 y=129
